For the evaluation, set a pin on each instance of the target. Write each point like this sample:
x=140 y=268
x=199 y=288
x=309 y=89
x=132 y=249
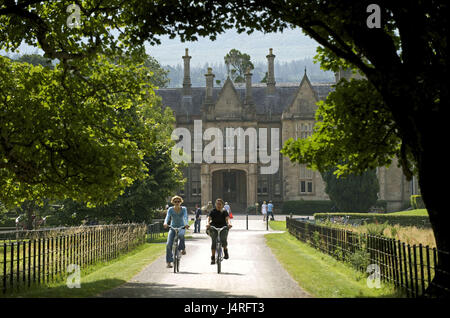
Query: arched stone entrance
x=240 y=178
x=231 y=186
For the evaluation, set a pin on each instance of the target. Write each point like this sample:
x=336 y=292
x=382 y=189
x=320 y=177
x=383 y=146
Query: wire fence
x=409 y=268
x=30 y=258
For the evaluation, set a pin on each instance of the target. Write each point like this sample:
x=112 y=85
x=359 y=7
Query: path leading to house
x=251 y=271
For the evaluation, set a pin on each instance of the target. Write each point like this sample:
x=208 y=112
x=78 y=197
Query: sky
x=287 y=46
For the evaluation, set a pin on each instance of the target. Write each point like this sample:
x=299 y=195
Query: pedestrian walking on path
x=177 y=216
x=198 y=218
x=264 y=210
x=228 y=208
x=270 y=210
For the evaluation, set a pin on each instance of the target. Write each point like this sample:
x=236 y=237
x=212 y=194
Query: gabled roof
x=284 y=96
x=303 y=104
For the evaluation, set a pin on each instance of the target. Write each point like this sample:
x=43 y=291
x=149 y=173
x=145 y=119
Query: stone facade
x=286 y=111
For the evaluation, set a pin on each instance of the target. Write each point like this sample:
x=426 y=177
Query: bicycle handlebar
x=219 y=229
x=177 y=228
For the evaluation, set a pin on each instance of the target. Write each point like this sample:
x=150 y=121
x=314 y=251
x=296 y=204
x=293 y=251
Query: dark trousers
x=223 y=238
x=197 y=225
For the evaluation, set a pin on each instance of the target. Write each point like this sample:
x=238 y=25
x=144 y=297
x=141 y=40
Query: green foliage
x=264 y=80
x=354 y=132
x=390 y=218
x=139 y=202
x=417 y=202
x=306 y=207
x=81 y=134
x=316 y=238
x=393 y=231
x=159 y=75
x=360 y=259
x=353 y=192
x=35 y=59
x=240 y=62
x=376 y=229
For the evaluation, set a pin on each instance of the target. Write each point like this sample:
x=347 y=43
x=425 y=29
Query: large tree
x=81 y=136
x=139 y=201
x=406 y=59
x=239 y=63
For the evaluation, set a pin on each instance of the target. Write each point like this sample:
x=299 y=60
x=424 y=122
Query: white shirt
x=227 y=207
x=264 y=208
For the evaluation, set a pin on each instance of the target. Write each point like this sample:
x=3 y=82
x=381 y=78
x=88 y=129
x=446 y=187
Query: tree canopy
x=80 y=135
x=354 y=131
x=239 y=62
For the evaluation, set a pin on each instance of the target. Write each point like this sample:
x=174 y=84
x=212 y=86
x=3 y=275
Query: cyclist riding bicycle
x=179 y=217
x=218 y=218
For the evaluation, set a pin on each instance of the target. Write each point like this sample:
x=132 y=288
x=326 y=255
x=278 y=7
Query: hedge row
x=9 y=222
x=309 y=207
x=306 y=207
x=403 y=220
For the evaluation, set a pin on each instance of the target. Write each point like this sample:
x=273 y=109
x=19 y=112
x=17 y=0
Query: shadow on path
x=136 y=290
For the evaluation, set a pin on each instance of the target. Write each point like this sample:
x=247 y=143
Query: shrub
x=252 y=209
x=8 y=222
x=159 y=214
x=360 y=259
x=392 y=219
x=393 y=231
x=352 y=193
x=316 y=238
x=417 y=202
x=306 y=207
x=376 y=228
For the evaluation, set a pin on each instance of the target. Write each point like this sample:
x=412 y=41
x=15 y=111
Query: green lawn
x=421 y=212
x=103 y=276
x=317 y=273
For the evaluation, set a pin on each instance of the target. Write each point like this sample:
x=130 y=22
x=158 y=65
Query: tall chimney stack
x=248 y=86
x=271 y=73
x=209 y=85
x=187 y=74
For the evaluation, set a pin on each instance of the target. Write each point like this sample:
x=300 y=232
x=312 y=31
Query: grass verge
x=102 y=276
x=421 y=212
x=317 y=273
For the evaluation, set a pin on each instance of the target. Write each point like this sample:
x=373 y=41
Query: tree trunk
x=432 y=166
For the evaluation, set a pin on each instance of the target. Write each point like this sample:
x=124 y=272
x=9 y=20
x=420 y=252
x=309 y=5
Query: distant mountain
x=285 y=72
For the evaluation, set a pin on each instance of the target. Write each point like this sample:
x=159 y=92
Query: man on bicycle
x=218 y=217
x=179 y=216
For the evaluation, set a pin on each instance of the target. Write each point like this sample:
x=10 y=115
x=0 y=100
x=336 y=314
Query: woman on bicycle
x=179 y=217
x=218 y=217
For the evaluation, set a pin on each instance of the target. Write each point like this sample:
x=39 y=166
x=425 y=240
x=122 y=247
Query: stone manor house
x=291 y=109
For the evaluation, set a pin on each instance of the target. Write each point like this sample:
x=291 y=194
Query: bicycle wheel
x=219 y=258
x=178 y=260
x=175 y=255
